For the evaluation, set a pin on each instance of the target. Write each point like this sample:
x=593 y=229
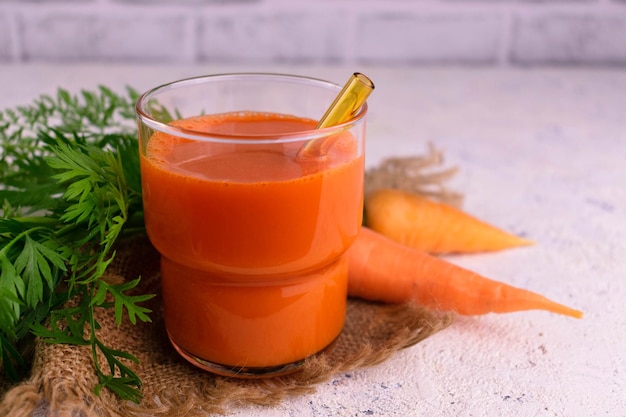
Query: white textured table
x=542 y=153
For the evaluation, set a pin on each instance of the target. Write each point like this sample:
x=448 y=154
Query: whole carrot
x=431 y=226
x=383 y=270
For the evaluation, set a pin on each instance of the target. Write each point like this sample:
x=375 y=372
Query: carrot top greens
x=69 y=189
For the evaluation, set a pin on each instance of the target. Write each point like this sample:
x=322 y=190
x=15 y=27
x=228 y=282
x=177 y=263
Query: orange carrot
x=383 y=270
x=431 y=226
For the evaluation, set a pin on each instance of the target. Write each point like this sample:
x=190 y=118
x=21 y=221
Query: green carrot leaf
x=70 y=189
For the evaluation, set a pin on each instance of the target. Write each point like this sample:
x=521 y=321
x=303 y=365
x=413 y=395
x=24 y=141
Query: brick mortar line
x=372 y=7
x=505 y=40
x=443 y=8
x=14 y=38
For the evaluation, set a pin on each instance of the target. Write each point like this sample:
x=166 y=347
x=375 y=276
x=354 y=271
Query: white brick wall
x=406 y=37
x=399 y=32
x=567 y=38
x=281 y=35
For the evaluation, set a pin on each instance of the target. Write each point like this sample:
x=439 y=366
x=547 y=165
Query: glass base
x=249 y=372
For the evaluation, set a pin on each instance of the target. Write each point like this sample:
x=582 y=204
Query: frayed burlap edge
x=419 y=174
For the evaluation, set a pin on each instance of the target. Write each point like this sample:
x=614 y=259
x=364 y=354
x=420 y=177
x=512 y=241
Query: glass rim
x=298 y=136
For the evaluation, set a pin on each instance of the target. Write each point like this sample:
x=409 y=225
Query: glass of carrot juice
x=252 y=226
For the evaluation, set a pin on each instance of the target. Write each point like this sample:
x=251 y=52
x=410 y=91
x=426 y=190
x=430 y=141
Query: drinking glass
x=251 y=228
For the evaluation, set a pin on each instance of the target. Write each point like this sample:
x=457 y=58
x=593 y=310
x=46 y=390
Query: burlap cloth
x=63 y=377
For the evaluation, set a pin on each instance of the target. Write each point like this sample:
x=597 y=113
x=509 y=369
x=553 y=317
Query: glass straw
x=348 y=101
x=343 y=108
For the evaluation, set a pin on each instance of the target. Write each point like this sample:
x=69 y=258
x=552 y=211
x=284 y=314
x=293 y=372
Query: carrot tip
x=520 y=241
x=566 y=311
x=577 y=314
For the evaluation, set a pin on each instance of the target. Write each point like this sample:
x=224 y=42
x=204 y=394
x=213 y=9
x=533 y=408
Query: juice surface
x=251 y=238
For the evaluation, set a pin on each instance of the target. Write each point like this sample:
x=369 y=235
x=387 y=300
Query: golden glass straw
x=343 y=108
x=348 y=101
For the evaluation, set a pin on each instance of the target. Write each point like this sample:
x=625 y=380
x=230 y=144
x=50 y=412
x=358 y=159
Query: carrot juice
x=252 y=237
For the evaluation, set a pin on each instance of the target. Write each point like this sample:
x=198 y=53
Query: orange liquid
x=252 y=239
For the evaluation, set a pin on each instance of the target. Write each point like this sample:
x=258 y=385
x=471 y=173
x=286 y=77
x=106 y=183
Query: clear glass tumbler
x=251 y=225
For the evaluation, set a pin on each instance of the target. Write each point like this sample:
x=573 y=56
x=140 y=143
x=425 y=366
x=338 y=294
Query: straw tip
x=364 y=79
